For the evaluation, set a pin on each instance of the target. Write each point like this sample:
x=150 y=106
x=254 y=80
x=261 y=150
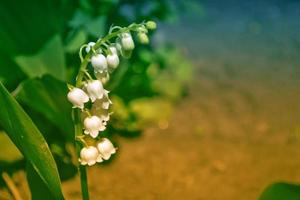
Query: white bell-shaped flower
x=113 y=49
x=92 y=126
x=106 y=148
x=127 y=41
x=90 y=156
x=78 y=97
x=89 y=46
x=95 y=90
x=113 y=60
x=99 y=63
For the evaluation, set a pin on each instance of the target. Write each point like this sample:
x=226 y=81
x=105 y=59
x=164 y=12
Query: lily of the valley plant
x=90 y=99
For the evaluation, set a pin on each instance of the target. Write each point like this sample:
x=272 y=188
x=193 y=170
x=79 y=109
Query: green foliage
x=281 y=191
x=38 y=188
x=29 y=141
x=47 y=96
x=49 y=60
x=38 y=56
x=27 y=25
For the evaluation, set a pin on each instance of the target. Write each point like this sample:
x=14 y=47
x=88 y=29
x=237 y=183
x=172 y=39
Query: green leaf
x=75 y=40
x=26 y=25
x=38 y=188
x=25 y=135
x=281 y=191
x=48 y=96
x=10 y=73
x=49 y=60
x=96 y=27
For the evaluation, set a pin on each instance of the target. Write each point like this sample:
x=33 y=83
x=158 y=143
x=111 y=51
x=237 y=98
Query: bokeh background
x=210 y=110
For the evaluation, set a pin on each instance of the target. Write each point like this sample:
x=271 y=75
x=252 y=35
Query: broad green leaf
x=38 y=188
x=25 y=135
x=75 y=40
x=93 y=26
x=48 y=96
x=26 y=25
x=49 y=60
x=96 y=27
x=281 y=191
x=10 y=73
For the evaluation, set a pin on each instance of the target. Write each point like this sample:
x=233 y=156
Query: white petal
x=77 y=97
x=106 y=156
x=99 y=159
x=92 y=162
x=94 y=134
x=99 y=63
x=105 y=105
x=127 y=41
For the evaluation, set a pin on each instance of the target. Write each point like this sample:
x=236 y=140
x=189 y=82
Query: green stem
x=84 y=183
x=79 y=146
x=76 y=112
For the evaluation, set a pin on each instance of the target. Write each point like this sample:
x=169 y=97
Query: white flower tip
x=95 y=90
x=127 y=42
x=89 y=155
x=77 y=97
x=99 y=63
x=99 y=159
x=91 y=163
x=93 y=125
x=106 y=148
x=89 y=46
x=94 y=134
x=106 y=157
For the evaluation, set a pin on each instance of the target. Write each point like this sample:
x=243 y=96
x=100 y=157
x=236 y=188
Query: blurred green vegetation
x=39 y=48
x=38 y=56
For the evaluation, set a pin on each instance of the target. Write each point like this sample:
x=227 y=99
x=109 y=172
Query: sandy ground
x=220 y=144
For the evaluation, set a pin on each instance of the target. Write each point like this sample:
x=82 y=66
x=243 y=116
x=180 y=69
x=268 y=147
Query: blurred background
x=210 y=110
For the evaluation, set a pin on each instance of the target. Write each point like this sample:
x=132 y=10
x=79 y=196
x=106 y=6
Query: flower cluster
x=104 y=57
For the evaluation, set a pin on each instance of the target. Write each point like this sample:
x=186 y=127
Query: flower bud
x=89 y=155
x=89 y=46
x=113 y=49
x=151 y=25
x=95 y=90
x=93 y=125
x=143 y=38
x=113 y=60
x=106 y=148
x=99 y=63
x=142 y=29
x=127 y=42
x=78 y=97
